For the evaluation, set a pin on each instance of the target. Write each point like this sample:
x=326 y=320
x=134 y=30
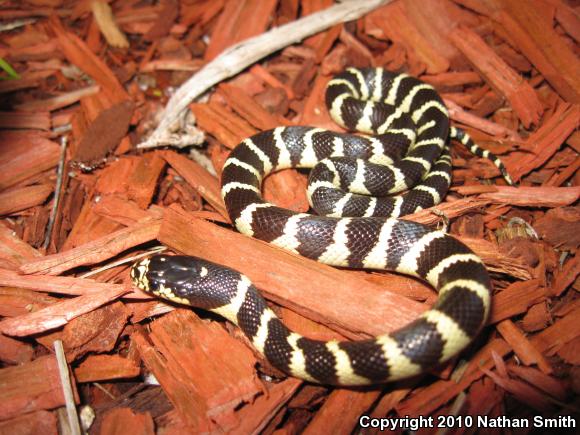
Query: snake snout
x=138 y=274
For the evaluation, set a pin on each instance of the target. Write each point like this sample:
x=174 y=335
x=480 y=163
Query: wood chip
x=29 y=387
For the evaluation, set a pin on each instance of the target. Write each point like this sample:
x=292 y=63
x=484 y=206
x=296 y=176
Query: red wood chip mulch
x=94 y=76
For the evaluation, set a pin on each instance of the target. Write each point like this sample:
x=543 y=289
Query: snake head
x=183 y=279
x=165 y=276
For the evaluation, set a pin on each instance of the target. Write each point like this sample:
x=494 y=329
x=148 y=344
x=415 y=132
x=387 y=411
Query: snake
x=402 y=146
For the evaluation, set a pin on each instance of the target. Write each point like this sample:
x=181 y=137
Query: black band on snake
x=408 y=151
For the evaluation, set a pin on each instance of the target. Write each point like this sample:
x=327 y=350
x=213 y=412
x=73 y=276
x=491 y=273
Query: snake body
x=408 y=151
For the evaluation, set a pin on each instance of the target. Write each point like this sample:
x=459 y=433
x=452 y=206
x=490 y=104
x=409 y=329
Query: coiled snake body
x=407 y=152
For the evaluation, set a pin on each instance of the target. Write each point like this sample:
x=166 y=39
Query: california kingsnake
x=402 y=112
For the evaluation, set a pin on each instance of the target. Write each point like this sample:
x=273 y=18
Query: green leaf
x=12 y=74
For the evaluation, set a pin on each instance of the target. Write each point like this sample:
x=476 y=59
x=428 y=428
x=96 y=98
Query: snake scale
x=404 y=147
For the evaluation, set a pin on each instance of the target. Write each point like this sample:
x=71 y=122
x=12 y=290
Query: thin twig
x=156 y=250
x=240 y=56
x=71 y=409
x=57 y=193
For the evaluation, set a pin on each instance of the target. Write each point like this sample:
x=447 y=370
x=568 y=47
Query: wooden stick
x=242 y=55
x=59 y=314
x=57 y=192
x=71 y=410
x=532 y=196
x=95 y=251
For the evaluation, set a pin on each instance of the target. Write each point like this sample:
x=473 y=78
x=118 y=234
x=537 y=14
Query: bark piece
x=566 y=276
x=540 y=380
x=21 y=120
x=222 y=124
x=96 y=331
x=116 y=421
x=239 y=20
x=78 y=53
x=522 y=347
x=30 y=387
x=58 y=102
x=58 y=314
x=14 y=351
x=395 y=23
x=499 y=75
x=105 y=368
x=535 y=37
x=555 y=337
x=341 y=412
x=99 y=127
x=256 y=415
x=533 y=196
x=248 y=109
x=516 y=299
x=537 y=318
x=544 y=142
x=560 y=227
x=24 y=155
x=19 y=199
x=13 y=248
x=142 y=182
x=17 y=301
x=205 y=373
x=95 y=251
x=39 y=422
x=66 y=285
x=200 y=179
x=439 y=393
